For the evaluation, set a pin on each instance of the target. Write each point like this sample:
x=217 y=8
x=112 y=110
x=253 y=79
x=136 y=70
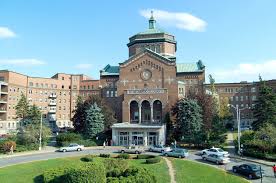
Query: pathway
x=171 y=170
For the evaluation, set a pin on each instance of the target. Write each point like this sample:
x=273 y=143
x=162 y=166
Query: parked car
x=249 y=170
x=159 y=148
x=216 y=159
x=216 y=151
x=133 y=150
x=72 y=147
x=180 y=153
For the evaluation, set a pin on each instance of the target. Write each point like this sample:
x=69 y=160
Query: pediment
x=150 y=53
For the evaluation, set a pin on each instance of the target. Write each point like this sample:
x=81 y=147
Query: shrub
x=6 y=146
x=64 y=139
x=111 y=164
x=124 y=156
x=105 y=155
x=88 y=158
x=55 y=175
x=86 y=142
x=156 y=159
x=30 y=147
x=88 y=173
x=144 y=156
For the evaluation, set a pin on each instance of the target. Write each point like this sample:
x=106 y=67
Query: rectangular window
x=107 y=93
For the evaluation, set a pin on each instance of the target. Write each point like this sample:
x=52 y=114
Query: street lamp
x=238 y=114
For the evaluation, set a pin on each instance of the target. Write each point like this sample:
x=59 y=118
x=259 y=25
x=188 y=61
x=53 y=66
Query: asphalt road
x=7 y=161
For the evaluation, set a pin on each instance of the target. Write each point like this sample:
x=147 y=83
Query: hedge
x=144 y=156
x=87 y=173
x=124 y=156
x=55 y=175
x=111 y=164
x=156 y=159
x=64 y=139
x=105 y=155
x=134 y=175
x=88 y=158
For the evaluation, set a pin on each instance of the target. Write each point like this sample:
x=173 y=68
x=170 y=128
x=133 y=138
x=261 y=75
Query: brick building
x=55 y=97
x=143 y=88
x=243 y=94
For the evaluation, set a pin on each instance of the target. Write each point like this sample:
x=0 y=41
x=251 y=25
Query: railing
x=53 y=103
x=52 y=111
x=53 y=95
x=146 y=91
x=2 y=109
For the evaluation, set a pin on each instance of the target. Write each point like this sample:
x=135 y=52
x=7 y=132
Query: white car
x=216 y=151
x=72 y=147
x=133 y=150
x=216 y=159
x=159 y=148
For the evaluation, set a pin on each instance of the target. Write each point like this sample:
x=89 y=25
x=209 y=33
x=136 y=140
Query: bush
x=105 y=155
x=64 y=139
x=124 y=156
x=6 y=146
x=55 y=175
x=156 y=159
x=144 y=156
x=88 y=172
x=86 y=142
x=134 y=175
x=87 y=158
x=111 y=164
x=22 y=148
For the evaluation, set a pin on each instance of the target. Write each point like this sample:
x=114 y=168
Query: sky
x=234 y=39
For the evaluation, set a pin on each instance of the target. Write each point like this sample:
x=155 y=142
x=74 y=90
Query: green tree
x=224 y=109
x=188 y=119
x=79 y=115
x=94 y=122
x=34 y=115
x=264 y=110
x=22 y=108
x=169 y=128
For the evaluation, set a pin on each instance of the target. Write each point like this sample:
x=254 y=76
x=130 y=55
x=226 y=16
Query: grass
x=30 y=172
x=190 y=172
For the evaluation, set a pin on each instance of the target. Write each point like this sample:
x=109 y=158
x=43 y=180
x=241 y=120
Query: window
x=237 y=98
x=241 y=98
x=62 y=78
x=107 y=93
x=253 y=89
x=253 y=98
x=31 y=84
x=62 y=86
x=115 y=93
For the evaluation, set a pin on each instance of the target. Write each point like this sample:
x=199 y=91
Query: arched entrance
x=146 y=112
x=134 y=112
x=157 y=111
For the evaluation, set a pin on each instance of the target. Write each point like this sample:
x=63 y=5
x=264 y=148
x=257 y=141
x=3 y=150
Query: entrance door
x=137 y=138
x=153 y=139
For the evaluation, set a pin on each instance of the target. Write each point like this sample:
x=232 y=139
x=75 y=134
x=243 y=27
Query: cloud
x=179 y=20
x=247 y=72
x=21 y=62
x=6 y=33
x=83 y=66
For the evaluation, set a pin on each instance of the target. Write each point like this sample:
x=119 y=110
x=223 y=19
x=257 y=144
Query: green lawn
x=30 y=172
x=190 y=172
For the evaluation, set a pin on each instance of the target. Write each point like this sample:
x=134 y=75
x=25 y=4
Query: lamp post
x=238 y=114
x=40 y=132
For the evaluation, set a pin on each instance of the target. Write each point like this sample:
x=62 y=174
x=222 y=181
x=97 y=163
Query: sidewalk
x=253 y=160
x=49 y=149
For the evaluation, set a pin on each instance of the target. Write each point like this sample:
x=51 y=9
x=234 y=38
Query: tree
x=212 y=83
x=169 y=128
x=80 y=114
x=94 y=122
x=34 y=115
x=224 y=110
x=188 y=119
x=22 y=108
x=264 y=110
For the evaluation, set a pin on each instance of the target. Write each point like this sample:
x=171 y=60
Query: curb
x=254 y=161
x=54 y=150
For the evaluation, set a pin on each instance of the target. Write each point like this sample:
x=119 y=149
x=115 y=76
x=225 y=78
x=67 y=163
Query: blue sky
x=234 y=39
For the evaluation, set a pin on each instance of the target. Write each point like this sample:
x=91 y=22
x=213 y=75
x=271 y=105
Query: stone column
x=151 y=113
x=140 y=113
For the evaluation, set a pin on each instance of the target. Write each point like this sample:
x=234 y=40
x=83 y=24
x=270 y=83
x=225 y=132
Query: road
x=269 y=177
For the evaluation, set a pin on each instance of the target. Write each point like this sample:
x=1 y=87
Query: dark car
x=250 y=170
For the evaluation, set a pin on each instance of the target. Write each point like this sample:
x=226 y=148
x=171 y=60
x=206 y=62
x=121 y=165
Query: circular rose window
x=146 y=74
